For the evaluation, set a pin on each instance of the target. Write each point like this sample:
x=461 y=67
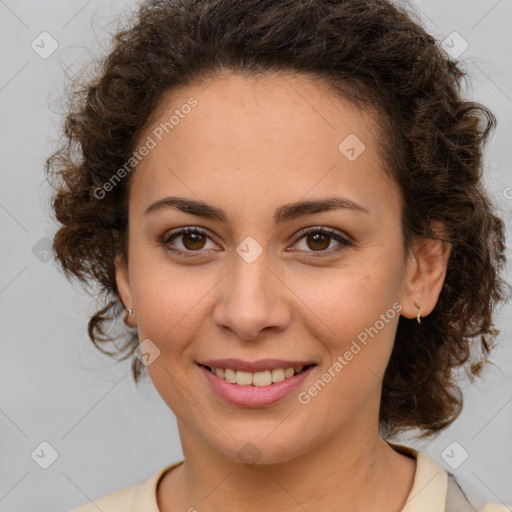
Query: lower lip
x=255 y=396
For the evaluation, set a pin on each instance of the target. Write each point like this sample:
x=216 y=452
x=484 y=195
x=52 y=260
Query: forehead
x=273 y=109
x=285 y=135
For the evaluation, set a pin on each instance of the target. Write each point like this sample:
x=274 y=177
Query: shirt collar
x=428 y=493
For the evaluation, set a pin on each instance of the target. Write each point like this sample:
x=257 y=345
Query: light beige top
x=431 y=488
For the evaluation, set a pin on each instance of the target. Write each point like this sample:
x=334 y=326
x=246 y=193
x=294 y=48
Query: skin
x=252 y=145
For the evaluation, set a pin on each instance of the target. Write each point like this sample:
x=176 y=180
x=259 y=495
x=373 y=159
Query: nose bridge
x=251 y=297
x=251 y=269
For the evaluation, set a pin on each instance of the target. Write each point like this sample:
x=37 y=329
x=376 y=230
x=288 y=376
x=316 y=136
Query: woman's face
x=247 y=283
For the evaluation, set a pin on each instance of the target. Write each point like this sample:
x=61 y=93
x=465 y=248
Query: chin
x=252 y=450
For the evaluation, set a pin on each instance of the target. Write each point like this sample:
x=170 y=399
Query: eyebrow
x=282 y=214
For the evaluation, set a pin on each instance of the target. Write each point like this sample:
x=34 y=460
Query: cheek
x=169 y=300
x=346 y=300
x=353 y=313
x=356 y=327
x=167 y=309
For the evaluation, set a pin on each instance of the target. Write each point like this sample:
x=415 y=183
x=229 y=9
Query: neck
x=356 y=474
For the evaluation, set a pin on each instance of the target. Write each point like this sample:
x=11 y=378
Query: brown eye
x=187 y=241
x=318 y=240
x=193 y=240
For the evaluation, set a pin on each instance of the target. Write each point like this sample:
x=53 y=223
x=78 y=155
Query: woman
x=286 y=199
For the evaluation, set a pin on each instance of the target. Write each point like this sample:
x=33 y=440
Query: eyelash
x=344 y=243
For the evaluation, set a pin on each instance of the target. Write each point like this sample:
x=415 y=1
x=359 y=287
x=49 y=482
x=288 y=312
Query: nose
x=252 y=299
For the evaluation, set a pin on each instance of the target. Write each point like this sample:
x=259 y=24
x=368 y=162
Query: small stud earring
x=130 y=311
x=418 y=318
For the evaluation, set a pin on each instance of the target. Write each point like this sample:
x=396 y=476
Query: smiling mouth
x=264 y=378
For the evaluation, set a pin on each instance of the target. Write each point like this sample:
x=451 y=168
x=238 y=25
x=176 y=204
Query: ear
x=123 y=287
x=426 y=271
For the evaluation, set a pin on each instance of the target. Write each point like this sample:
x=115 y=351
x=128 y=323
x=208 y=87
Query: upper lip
x=254 y=366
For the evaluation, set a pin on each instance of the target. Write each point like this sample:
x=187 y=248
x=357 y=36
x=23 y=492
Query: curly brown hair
x=374 y=54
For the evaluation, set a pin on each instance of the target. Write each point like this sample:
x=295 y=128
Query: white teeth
x=279 y=374
x=264 y=378
x=243 y=378
x=229 y=375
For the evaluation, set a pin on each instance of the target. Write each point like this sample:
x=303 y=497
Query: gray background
x=55 y=387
